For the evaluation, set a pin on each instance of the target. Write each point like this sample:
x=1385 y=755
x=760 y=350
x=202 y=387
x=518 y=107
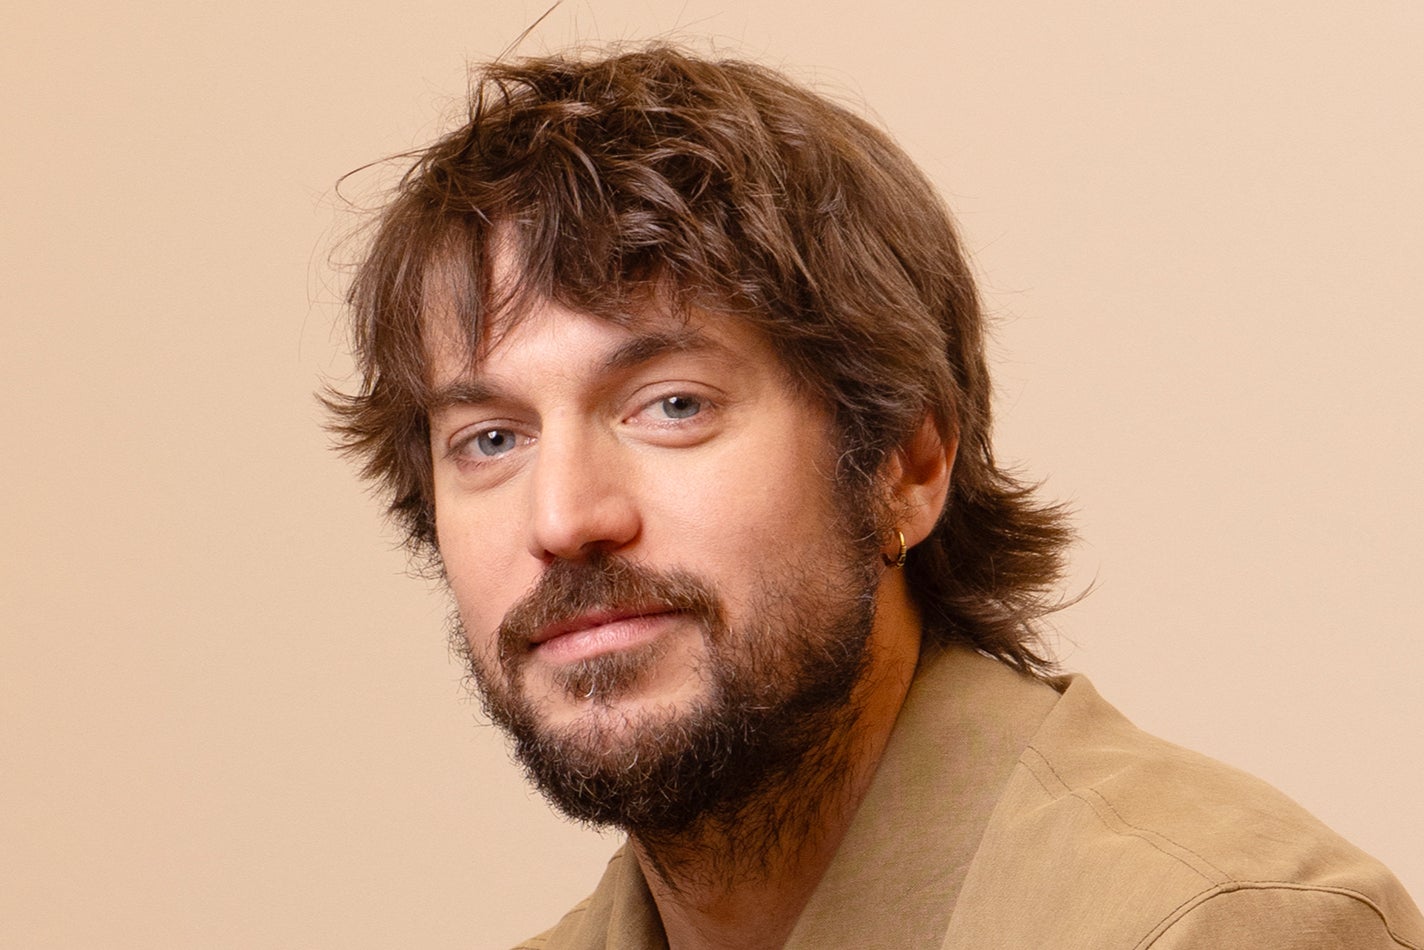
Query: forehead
x=470 y=321
x=550 y=339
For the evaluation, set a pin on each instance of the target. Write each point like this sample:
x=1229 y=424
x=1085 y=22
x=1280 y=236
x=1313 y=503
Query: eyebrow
x=649 y=346
x=632 y=353
x=457 y=393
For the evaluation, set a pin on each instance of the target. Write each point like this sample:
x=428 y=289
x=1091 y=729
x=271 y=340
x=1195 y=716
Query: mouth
x=600 y=631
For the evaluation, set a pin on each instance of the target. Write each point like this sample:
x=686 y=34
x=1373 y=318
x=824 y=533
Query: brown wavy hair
x=656 y=175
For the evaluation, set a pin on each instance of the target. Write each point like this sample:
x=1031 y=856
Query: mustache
x=569 y=589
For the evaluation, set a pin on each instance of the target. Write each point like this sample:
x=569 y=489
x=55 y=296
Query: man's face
x=657 y=589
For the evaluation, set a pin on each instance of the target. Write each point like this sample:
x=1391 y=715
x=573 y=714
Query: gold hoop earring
x=898 y=560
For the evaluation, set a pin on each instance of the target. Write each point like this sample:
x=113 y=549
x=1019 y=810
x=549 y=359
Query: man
x=676 y=371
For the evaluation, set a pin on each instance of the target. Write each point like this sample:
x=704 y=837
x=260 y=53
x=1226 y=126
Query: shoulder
x=585 y=924
x=619 y=913
x=561 y=934
x=1106 y=836
x=1285 y=916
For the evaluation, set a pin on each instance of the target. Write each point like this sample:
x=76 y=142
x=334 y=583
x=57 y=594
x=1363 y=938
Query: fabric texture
x=1008 y=813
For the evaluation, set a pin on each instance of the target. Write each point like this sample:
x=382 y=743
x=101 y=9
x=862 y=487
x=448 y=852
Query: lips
x=599 y=631
x=594 y=618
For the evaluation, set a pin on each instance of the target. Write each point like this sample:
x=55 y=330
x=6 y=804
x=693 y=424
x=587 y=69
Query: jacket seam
x=1147 y=835
x=1200 y=899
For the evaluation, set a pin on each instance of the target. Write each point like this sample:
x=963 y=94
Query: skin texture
x=678 y=446
x=591 y=461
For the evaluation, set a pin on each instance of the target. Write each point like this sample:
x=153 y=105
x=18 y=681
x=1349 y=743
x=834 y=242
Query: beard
x=751 y=756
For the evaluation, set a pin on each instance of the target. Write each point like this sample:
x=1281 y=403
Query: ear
x=917 y=480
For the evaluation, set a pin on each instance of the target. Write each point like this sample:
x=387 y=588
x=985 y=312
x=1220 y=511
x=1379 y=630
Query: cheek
x=743 y=513
x=718 y=499
x=481 y=569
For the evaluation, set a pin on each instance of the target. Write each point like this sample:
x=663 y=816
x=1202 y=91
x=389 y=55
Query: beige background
x=228 y=716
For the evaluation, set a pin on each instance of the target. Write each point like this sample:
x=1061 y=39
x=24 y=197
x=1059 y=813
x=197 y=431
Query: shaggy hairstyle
x=654 y=177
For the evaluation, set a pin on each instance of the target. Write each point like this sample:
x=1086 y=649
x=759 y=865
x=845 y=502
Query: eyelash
x=465 y=449
x=465 y=452
x=698 y=403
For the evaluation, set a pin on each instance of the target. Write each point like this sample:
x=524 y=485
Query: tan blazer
x=1009 y=813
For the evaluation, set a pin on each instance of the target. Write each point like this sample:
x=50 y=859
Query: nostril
x=576 y=515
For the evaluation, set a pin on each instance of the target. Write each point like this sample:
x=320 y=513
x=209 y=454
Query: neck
x=740 y=880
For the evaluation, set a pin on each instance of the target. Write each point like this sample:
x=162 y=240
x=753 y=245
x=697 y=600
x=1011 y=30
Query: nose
x=582 y=497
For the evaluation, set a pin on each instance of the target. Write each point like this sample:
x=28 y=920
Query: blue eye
x=493 y=442
x=681 y=407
